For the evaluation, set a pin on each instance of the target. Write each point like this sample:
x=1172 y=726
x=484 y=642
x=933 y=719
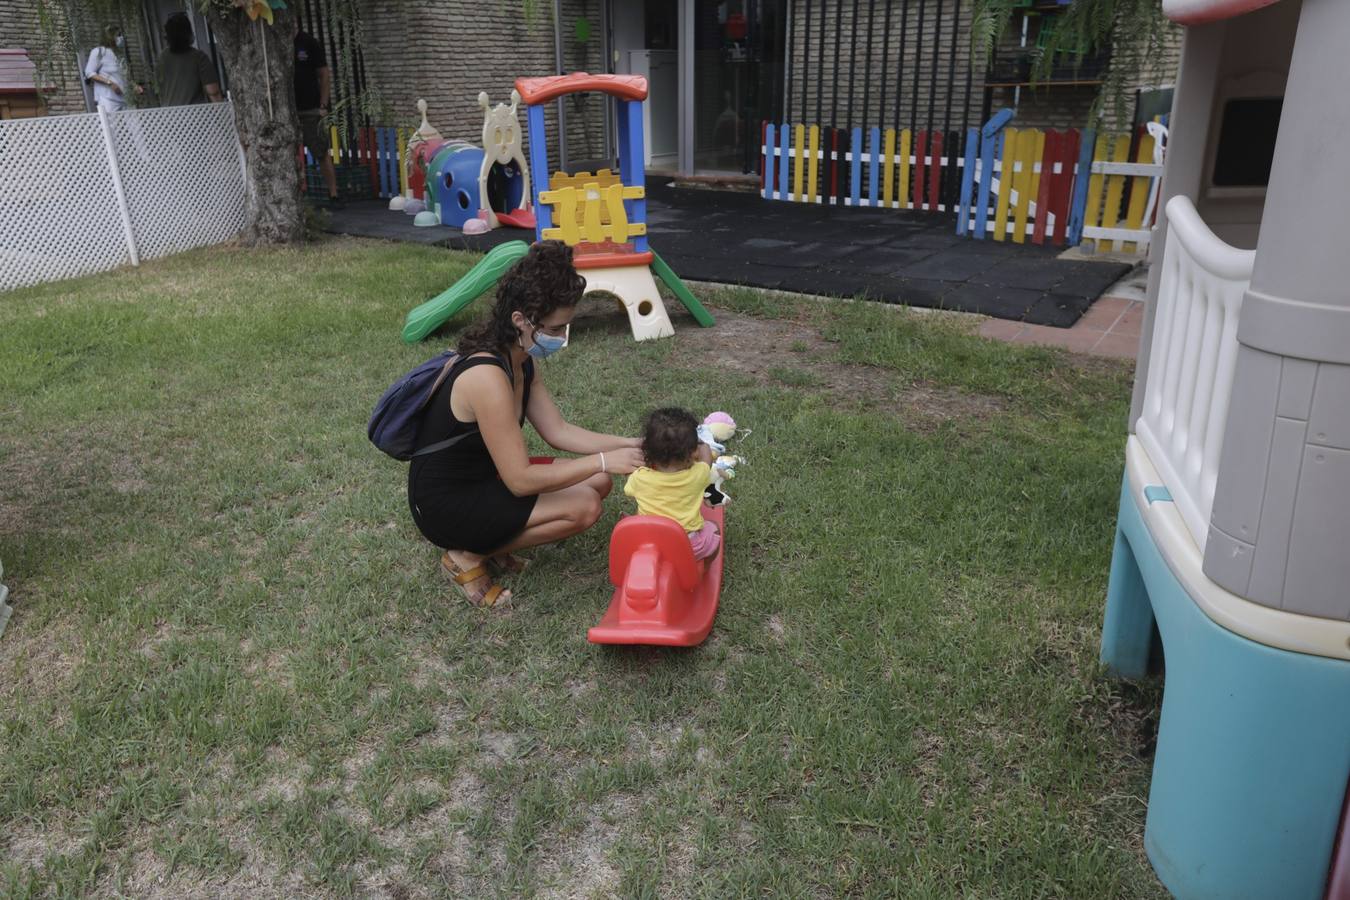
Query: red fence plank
x=373 y=156
x=920 y=151
x=1048 y=157
x=935 y=173
x=1061 y=201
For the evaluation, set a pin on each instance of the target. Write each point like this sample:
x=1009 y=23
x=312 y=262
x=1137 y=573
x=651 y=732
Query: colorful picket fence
x=861 y=167
x=1002 y=183
x=369 y=161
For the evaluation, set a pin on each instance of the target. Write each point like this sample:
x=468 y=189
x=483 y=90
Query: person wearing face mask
x=104 y=71
x=480 y=498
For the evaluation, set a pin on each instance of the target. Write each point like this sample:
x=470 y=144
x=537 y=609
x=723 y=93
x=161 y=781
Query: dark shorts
x=477 y=516
x=314 y=135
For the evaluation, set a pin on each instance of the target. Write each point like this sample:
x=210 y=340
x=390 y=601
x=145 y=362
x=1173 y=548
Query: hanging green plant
x=1130 y=31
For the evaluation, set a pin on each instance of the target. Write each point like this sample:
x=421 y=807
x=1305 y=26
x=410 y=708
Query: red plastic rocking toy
x=662 y=594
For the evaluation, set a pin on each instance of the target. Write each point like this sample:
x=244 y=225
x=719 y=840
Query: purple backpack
x=397 y=417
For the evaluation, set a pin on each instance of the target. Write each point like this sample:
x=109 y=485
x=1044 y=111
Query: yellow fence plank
x=813 y=164
x=1139 y=187
x=1115 y=187
x=1026 y=158
x=1034 y=183
x=888 y=171
x=902 y=196
x=1011 y=142
x=799 y=155
x=333 y=149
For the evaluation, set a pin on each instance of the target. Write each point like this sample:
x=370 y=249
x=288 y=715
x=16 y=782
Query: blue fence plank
x=991 y=146
x=987 y=143
x=769 y=144
x=784 y=160
x=967 y=182
x=874 y=167
x=382 y=159
x=997 y=122
x=1078 y=210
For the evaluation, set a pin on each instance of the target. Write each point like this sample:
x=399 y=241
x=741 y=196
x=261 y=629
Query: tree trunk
x=260 y=62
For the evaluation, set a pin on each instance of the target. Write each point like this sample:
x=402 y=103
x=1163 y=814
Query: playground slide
x=666 y=274
x=431 y=315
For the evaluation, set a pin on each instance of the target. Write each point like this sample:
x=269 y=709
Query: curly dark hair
x=541 y=281
x=669 y=436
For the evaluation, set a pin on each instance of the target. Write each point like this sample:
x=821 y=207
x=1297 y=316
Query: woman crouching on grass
x=481 y=498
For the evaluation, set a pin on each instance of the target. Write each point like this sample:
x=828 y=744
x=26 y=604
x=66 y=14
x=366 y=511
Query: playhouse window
x=1247 y=141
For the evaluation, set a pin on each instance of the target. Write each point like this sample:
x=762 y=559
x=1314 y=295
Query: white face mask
x=121 y=42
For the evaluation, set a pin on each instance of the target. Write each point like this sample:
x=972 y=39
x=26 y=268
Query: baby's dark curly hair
x=541 y=281
x=669 y=436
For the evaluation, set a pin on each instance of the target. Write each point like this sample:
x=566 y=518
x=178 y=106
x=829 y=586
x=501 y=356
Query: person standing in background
x=186 y=75
x=104 y=71
x=313 y=82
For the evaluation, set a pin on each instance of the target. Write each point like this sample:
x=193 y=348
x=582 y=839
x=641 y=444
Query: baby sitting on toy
x=677 y=471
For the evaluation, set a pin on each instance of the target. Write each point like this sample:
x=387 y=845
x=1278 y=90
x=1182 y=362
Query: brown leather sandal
x=462 y=579
x=508 y=563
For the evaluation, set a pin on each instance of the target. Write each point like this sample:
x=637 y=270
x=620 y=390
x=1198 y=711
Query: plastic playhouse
x=603 y=216
x=1232 y=548
x=460 y=182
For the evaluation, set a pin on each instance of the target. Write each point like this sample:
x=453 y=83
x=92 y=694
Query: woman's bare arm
x=487 y=393
x=560 y=434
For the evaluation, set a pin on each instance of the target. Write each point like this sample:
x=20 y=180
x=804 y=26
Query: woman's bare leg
x=561 y=514
x=464 y=561
x=555 y=516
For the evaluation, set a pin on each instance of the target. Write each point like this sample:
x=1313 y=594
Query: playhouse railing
x=1190 y=367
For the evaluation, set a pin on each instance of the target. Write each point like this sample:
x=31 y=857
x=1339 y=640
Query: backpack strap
x=441 y=445
x=454 y=360
x=440 y=379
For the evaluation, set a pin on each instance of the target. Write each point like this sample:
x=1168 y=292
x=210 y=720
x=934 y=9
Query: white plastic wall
x=1191 y=361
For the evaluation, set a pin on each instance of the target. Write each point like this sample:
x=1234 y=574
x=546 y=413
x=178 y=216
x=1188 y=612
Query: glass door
x=738 y=77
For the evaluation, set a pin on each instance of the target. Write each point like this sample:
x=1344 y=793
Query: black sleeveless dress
x=458 y=499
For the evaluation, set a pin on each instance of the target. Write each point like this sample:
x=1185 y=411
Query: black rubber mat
x=893 y=256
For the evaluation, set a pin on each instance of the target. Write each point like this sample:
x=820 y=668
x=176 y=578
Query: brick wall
x=19 y=28
x=446 y=51
x=1070 y=106
x=70 y=50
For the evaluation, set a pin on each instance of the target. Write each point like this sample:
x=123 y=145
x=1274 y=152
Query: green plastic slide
x=666 y=274
x=426 y=318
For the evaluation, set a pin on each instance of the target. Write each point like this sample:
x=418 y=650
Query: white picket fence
x=87 y=193
x=1191 y=363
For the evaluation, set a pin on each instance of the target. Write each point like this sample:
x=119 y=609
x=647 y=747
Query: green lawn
x=234 y=670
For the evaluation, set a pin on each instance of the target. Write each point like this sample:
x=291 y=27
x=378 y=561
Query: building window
x=1247 y=141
